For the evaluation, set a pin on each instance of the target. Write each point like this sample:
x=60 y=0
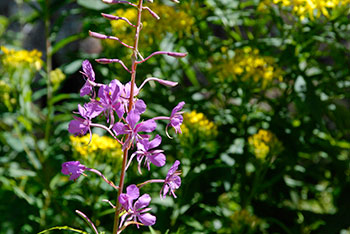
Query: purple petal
x=165 y=190
x=147 y=126
x=133 y=191
x=132 y=118
x=82 y=111
x=73 y=168
x=142 y=202
x=77 y=127
x=177 y=108
x=158 y=159
x=175 y=182
x=89 y=72
x=173 y=168
x=127 y=90
x=86 y=89
x=93 y=109
x=155 y=142
x=115 y=90
x=120 y=128
x=124 y=201
x=147 y=219
x=140 y=106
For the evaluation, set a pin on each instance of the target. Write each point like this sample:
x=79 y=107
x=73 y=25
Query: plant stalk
x=131 y=100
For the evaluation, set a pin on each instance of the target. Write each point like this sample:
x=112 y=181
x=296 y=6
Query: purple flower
x=73 y=168
x=110 y=101
x=90 y=75
x=136 y=210
x=144 y=147
x=139 y=105
x=176 y=118
x=172 y=180
x=79 y=126
x=132 y=128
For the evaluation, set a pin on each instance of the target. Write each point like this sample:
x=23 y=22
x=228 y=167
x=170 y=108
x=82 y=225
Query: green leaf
x=93 y=4
x=65 y=41
x=63 y=228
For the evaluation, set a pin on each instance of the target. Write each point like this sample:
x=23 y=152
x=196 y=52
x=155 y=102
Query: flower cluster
x=248 y=65
x=101 y=145
x=56 y=77
x=119 y=106
x=153 y=30
x=308 y=8
x=14 y=59
x=264 y=143
x=197 y=122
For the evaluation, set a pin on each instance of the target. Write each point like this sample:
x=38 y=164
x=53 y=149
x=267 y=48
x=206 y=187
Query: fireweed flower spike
x=136 y=211
x=73 y=168
x=172 y=181
x=120 y=105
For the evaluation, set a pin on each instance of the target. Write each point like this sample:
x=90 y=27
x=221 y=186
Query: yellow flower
x=101 y=145
x=57 y=76
x=22 y=58
x=249 y=65
x=310 y=8
x=171 y=21
x=194 y=122
x=263 y=143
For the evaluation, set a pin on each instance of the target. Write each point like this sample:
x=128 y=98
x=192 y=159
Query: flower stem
x=131 y=100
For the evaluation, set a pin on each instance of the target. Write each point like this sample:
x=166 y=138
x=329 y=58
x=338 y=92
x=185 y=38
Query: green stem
x=48 y=71
x=131 y=100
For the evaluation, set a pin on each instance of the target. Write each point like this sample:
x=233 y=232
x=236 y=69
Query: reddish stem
x=131 y=100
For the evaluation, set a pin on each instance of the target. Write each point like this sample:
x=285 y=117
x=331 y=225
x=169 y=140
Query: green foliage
x=252 y=66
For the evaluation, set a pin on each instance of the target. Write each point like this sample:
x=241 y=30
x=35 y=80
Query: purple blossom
x=172 y=180
x=79 y=126
x=73 y=168
x=136 y=210
x=109 y=100
x=90 y=75
x=176 y=117
x=132 y=128
x=144 y=147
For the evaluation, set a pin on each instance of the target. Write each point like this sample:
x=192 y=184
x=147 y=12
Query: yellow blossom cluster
x=5 y=91
x=171 y=21
x=197 y=122
x=309 y=8
x=56 y=77
x=21 y=58
x=99 y=146
x=263 y=143
x=248 y=65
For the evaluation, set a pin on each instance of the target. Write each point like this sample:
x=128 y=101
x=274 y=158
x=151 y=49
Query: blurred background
x=265 y=146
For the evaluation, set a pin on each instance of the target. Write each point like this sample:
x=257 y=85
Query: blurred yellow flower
x=263 y=143
x=308 y=8
x=197 y=122
x=57 y=76
x=14 y=59
x=171 y=21
x=99 y=145
x=248 y=65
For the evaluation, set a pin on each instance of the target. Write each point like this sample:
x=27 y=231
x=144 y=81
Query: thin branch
x=113 y=17
x=107 y=61
x=151 y=12
x=103 y=37
x=117 y=2
x=172 y=54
